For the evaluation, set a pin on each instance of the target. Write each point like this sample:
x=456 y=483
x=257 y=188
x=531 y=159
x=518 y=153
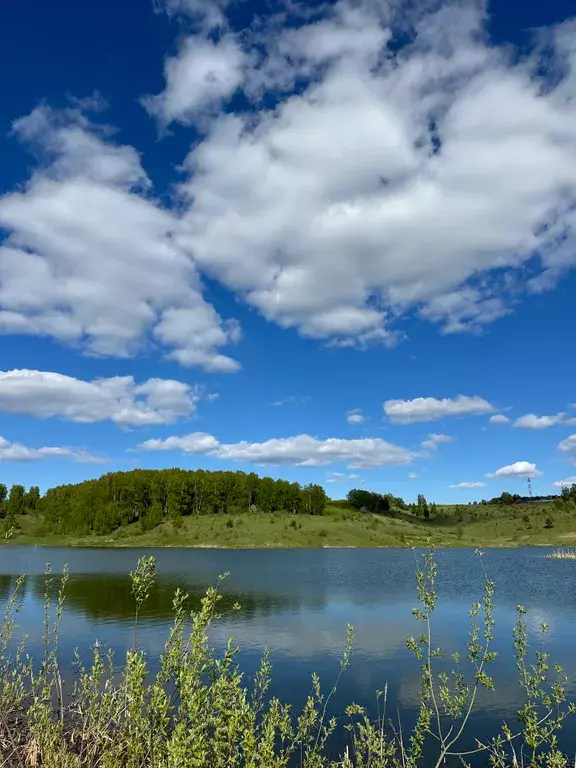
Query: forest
x=152 y=496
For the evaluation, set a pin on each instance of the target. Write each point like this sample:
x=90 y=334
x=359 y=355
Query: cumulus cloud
x=568 y=445
x=17 y=452
x=202 y=75
x=499 y=418
x=468 y=484
x=433 y=440
x=355 y=416
x=432 y=409
x=302 y=450
x=196 y=442
x=531 y=421
x=565 y=483
x=91 y=259
x=446 y=146
x=518 y=469
x=44 y=394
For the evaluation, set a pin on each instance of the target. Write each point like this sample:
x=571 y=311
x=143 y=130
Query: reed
x=563 y=554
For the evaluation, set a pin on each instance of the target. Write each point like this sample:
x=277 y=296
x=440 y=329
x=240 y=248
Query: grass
x=563 y=554
x=518 y=525
x=197 y=711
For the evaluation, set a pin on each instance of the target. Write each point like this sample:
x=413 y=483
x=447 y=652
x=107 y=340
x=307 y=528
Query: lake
x=298 y=603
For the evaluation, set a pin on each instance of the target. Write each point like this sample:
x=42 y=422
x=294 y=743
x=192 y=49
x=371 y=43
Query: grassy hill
x=340 y=526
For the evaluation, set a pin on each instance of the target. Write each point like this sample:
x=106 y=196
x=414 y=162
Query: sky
x=329 y=242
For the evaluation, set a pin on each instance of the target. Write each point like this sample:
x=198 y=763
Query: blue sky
x=328 y=242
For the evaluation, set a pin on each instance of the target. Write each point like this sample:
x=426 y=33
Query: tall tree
x=3 y=497
x=315 y=499
x=15 y=505
x=32 y=499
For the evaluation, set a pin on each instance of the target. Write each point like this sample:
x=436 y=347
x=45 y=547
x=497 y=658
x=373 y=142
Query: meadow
x=529 y=524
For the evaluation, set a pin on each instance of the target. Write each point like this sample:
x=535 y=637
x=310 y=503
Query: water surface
x=298 y=603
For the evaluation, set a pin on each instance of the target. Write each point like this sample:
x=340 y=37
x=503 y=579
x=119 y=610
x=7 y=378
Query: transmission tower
x=529 y=481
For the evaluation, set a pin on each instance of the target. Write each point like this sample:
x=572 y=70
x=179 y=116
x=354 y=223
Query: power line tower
x=529 y=481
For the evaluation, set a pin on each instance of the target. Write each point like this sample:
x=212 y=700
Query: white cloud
x=212 y=396
x=17 y=452
x=290 y=400
x=413 y=475
x=196 y=442
x=91 y=261
x=45 y=394
x=201 y=76
x=531 y=421
x=466 y=309
x=307 y=451
x=302 y=450
x=355 y=416
x=468 y=484
x=432 y=409
x=565 y=483
x=433 y=440
x=207 y=13
x=499 y=418
x=568 y=445
x=443 y=147
x=336 y=477
x=518 y=469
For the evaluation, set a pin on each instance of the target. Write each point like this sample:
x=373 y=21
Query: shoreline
x=156 y=545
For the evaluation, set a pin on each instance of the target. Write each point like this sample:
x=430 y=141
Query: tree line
x=152 y=496
x=18 y=501
x=386 y=503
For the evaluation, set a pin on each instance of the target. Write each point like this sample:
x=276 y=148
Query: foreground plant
x=447 y=700
x=197 y=710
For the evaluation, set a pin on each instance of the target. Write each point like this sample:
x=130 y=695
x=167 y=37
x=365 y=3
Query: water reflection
x=110 y=599
x=7 y=584
x=298 y=603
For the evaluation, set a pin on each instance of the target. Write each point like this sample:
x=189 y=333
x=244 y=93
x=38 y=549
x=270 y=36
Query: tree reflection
x=109 y=597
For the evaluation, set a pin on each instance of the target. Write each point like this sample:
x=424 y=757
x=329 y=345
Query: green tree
x=32 y=499
x=3 y=497
x=15 y=504
x=315 y=499
x=368 y=501
x=422 y=506
x=152 y=517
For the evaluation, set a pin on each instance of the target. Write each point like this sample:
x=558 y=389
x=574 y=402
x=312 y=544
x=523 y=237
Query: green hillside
x=234 y=509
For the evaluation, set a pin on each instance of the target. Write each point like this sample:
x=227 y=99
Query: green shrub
x=196 y=711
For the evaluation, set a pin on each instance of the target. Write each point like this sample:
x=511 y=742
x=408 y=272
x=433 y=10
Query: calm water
x=298 y=603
